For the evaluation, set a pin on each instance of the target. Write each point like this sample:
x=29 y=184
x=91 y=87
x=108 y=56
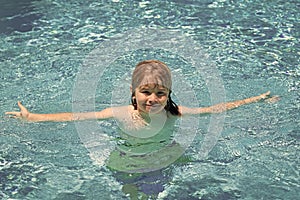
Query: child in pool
x=151 y=98
x=152 y=110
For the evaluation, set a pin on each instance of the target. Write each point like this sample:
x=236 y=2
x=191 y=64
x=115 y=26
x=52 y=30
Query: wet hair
x=157 y=72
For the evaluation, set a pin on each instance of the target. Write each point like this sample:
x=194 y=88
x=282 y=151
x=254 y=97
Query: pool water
x=253 y=44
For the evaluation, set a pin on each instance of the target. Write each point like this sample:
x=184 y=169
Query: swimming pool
x=253 y=44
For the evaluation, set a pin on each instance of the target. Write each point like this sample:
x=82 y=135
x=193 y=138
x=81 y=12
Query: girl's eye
x=161 y=94
x=145 y=92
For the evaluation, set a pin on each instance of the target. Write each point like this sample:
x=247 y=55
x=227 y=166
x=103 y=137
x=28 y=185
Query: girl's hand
x=23 y=114
x=265 y=95
x=272 y=99
x=268 y=98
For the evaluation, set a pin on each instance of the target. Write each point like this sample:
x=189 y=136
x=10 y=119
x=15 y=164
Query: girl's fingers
x=273 y=99
x=23 y=113
x=13 y=114
x=21 y=106
x=265 y=95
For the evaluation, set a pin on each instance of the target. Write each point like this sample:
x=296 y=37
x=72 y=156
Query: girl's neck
x=152 y=117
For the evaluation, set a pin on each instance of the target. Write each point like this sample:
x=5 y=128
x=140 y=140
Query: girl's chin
x=153 y=109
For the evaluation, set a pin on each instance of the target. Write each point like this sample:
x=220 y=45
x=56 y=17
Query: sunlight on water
x=255 y=47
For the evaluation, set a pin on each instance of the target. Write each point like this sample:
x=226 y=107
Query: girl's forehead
x=152 y=86
x=154 y=81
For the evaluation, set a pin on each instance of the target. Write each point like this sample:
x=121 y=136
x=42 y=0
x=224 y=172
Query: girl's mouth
x=152 y=105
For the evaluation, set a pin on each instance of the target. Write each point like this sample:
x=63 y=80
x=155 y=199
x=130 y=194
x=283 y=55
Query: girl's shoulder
x=120 y=112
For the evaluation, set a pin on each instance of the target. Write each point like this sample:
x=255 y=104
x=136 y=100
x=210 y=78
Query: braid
x=172 y=106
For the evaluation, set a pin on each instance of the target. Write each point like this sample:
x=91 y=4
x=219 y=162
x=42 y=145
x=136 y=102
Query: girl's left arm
x=222 y=107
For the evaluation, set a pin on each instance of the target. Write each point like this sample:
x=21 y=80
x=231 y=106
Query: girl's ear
x=130 y=89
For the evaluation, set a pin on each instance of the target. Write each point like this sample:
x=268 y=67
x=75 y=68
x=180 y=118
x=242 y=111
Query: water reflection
x=17 y=15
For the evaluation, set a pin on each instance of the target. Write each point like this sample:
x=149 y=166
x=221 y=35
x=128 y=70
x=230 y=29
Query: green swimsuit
x=145 y=154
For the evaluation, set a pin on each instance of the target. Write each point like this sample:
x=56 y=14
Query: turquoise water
x=253 y=44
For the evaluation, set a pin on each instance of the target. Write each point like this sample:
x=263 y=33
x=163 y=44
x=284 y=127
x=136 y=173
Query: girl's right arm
x=59 y=117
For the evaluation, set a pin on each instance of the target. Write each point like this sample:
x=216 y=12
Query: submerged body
x=145 y=146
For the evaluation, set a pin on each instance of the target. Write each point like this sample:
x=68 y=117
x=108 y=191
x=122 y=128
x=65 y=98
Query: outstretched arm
x=59 y=117
x=221 y=107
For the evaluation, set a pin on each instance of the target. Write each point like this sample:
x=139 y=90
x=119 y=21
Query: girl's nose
x=152 y=98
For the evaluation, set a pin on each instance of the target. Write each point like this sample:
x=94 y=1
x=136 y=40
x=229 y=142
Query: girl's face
x=151 y=98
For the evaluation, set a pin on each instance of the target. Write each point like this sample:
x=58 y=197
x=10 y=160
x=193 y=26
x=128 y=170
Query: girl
x=151 y=97
x=147 y=124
